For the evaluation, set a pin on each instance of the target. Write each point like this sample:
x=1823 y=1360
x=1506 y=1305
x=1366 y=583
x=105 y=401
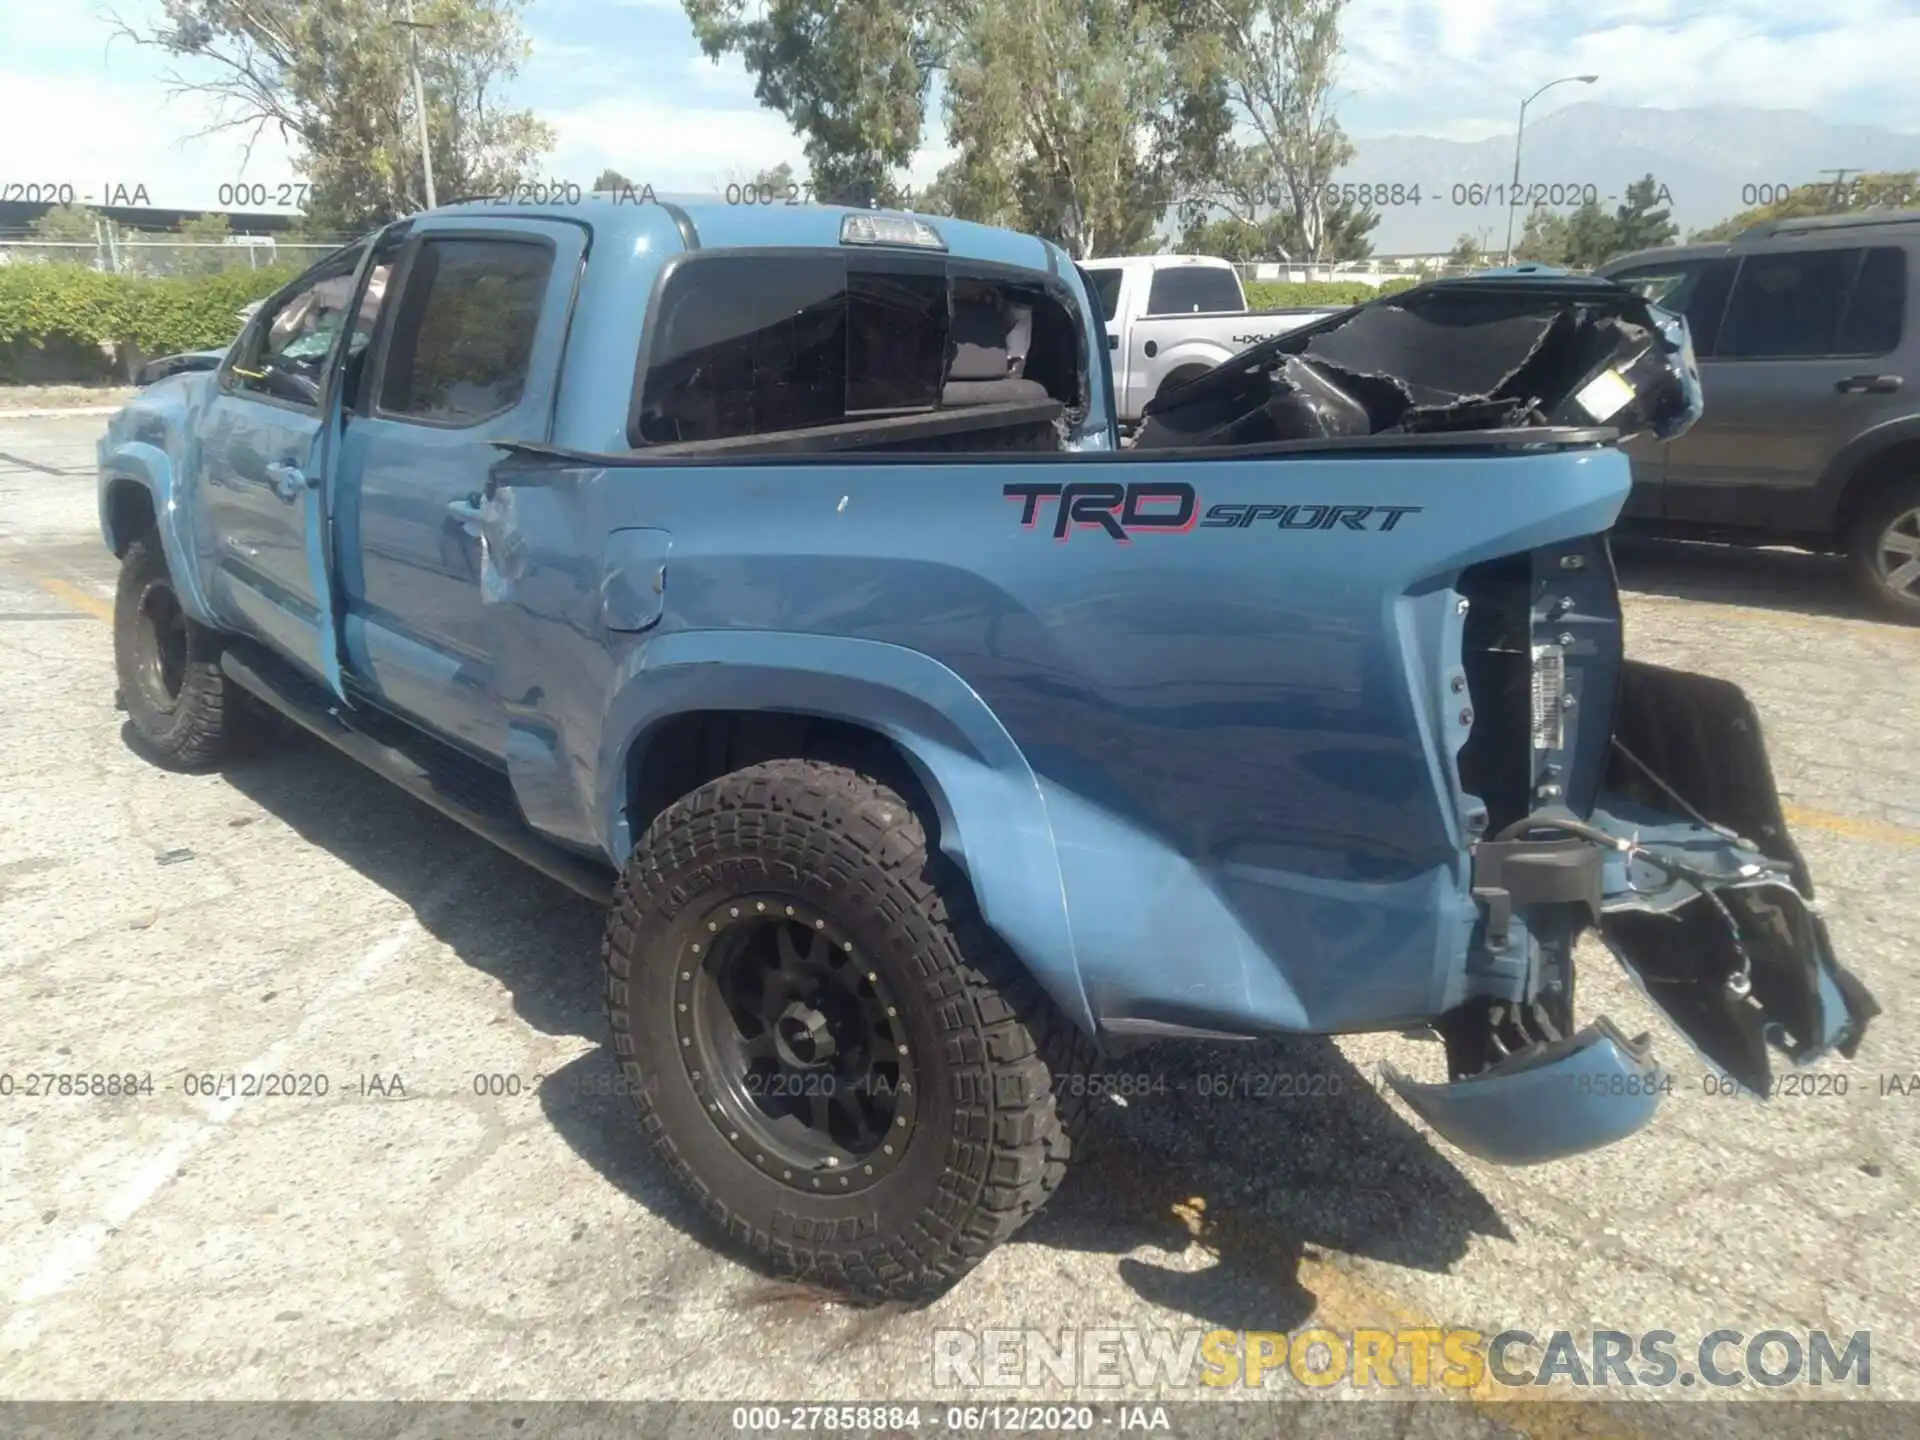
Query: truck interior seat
x=987 y=343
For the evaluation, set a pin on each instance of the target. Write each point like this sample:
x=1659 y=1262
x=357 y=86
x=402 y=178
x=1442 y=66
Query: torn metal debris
x=1500 y=351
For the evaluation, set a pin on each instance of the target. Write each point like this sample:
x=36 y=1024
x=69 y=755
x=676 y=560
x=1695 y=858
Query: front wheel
x=180 y=703
x=825 y=1042
x=1884 y=550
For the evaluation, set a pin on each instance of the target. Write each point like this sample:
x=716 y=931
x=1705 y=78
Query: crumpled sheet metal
x=1482 y=354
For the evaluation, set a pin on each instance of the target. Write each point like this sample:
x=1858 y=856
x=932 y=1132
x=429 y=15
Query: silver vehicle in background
x=1171 y=318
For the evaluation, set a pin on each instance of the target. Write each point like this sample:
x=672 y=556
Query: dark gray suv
x=1810 y=360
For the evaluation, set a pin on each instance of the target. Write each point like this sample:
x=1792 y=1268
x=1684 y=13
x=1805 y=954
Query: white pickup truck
x=1172 y=317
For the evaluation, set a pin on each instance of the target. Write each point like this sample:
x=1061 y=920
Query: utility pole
x=419 y=102
x=1519 y=132
x=1839 y=179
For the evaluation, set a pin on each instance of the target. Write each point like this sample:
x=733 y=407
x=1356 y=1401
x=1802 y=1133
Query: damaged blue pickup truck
x=778 y=579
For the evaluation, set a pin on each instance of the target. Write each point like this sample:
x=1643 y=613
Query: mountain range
x=1706 y=157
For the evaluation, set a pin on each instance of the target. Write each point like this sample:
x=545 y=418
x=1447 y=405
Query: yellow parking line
x=1346 y=1301
x=1881 y=832
x=76 y=597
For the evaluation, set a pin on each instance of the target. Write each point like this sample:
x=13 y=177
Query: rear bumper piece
x=1749 y=968
x=1557 y=1100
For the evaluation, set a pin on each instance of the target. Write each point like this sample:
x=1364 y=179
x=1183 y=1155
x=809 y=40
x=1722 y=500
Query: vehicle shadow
x=1262 y=1155
x=1777 y=578
x=1275 y=1178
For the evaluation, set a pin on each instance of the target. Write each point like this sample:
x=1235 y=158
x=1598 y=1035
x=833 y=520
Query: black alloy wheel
x=795 y=1042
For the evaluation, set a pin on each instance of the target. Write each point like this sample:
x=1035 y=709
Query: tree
x=780 y=185
x=1544 y=238
x=851 y=77
x=612 y=180
x=1579 y=240
x=1073 y=119
x=1276 y=62
x=1467 y=252
x=332 y=77
x=1227 y=238
x=1344 y=228
x=1277 y=236
x=199 y=231
x=1885 y=190
x=69 y=225
x=1592 y=236
x=854 y=78
x=1637 y=224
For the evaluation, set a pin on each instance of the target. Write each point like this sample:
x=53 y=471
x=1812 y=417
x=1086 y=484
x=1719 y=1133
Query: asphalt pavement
x=466 y=1210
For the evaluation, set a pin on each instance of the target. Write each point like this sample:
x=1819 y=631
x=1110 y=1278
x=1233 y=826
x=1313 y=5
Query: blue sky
x=624 y=84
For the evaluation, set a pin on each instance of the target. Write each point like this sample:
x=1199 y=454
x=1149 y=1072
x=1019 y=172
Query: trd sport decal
x=1125 y=510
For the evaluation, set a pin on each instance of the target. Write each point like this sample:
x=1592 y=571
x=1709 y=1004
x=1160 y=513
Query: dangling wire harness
x=1705 y=883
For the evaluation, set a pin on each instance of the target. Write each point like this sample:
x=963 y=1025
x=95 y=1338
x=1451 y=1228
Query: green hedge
x=58 y=316
x=1276 y=294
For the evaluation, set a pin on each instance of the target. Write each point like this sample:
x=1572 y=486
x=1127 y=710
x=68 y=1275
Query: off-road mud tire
x=995 y=1059
x=199 y=721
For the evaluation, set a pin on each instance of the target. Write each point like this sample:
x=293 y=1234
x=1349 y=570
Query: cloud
x=626 y=85
x=1441 y=67
x=666 y=145
x=92 y=133
x=726 y=76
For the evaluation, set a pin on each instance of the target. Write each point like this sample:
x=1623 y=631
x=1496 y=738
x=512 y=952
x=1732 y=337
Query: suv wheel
x=825 y=1042
x=1884 y=549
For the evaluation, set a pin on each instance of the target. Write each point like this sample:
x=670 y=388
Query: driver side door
x=263 y=443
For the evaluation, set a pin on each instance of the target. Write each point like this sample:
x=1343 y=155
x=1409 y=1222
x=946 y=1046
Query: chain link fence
x=121 y=253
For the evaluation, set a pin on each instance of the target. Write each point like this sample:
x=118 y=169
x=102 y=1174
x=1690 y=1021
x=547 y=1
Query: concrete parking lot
x=467 y=1212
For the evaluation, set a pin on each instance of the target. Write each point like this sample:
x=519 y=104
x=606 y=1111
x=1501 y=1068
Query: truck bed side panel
x=1243 y=762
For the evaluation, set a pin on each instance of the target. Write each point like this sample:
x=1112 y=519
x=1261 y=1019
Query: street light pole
x=420 y=104
x=1519 y=132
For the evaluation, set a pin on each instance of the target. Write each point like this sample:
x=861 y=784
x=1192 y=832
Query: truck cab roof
x=708 y=222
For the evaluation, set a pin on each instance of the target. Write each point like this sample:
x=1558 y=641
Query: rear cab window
x=754 y=344
x=1194 y=290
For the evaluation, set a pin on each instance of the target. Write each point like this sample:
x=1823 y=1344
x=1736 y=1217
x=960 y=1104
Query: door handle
x=288 y=480
x=1868 y=384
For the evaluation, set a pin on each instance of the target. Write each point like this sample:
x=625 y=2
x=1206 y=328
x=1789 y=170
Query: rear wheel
x=1884 y=550
x=180 y=703
x=822 y=1038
